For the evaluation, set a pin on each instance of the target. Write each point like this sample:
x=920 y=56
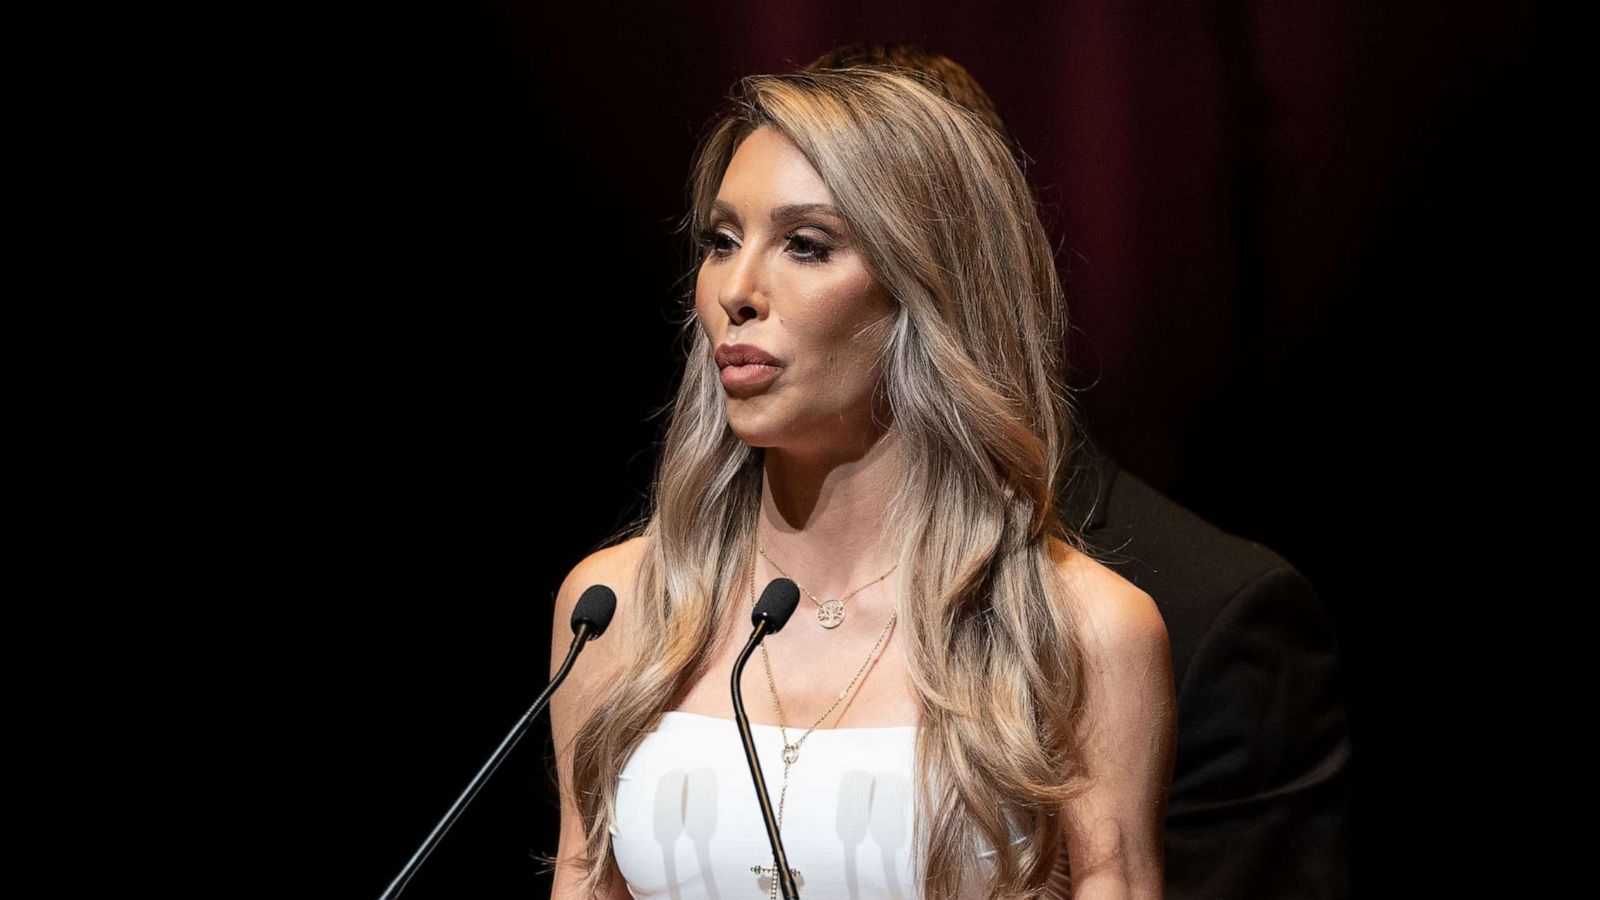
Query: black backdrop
x=365 y=315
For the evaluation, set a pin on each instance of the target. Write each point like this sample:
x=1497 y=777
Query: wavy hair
x=973 y=375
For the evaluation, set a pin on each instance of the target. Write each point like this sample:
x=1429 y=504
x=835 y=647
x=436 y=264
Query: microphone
x=772 y=612
x=590 y=617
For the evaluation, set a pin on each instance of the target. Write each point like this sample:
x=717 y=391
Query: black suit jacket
x=1260 y=794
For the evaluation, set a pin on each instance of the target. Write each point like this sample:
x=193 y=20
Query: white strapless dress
x=688 y=825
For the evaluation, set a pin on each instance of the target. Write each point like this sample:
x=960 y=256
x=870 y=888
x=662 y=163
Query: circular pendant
x=830 y=614
x=790 y=753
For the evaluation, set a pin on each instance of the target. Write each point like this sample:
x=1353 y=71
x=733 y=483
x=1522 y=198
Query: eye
x=809 y=250
x=709 y=240
x=814 y=251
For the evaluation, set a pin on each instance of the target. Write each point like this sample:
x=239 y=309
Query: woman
x=968 y=704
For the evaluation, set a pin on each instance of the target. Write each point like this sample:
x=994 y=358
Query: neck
x=823 y=514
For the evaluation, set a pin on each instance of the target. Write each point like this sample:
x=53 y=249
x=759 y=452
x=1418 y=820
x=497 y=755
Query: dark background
x=366 y=315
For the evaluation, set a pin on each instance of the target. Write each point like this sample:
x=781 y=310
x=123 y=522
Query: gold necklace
x=791 y=752
x=831 y=613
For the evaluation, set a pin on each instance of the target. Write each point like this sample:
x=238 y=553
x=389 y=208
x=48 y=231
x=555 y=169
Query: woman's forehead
x=767 y=171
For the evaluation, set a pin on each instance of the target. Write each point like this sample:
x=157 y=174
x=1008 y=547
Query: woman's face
x=788 y=279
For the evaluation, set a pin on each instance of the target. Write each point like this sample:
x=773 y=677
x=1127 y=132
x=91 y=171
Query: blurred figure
x=1260 y=795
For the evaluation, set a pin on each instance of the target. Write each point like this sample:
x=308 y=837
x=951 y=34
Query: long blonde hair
x=973 y=373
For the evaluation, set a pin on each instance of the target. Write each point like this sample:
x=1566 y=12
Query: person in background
x=1259 y=802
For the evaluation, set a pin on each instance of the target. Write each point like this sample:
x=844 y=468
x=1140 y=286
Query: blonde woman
x=967 y=704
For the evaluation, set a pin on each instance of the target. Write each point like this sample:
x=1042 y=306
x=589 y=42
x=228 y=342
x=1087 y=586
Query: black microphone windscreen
x=596 y=607
x=776 y=605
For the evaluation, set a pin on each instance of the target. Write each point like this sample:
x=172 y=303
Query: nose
x=742 y=293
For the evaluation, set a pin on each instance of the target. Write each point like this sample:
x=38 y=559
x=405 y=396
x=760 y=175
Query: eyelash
x=817 y=254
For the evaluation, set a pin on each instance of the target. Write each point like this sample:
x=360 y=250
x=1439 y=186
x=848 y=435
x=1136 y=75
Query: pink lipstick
x=746 y=365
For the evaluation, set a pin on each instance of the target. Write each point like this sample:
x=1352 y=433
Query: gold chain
x=791 y=752
x=830 y=614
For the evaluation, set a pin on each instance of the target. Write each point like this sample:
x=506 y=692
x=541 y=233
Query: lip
x=744 y=354
x=748 y=376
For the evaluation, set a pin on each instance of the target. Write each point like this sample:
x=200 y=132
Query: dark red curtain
x=368 y=316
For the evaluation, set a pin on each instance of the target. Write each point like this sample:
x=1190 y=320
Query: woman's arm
x=1114 y=829
x=569 y=705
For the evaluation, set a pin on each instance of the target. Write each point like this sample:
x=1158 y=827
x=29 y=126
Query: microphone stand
x=579 y=638
x=784 y=876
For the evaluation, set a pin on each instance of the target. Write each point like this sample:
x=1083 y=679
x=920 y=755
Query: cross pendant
x=773 y=871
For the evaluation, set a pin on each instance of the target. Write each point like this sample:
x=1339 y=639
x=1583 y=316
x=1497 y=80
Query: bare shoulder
x=1119 y=617
x=608 y=565
x=615 y=567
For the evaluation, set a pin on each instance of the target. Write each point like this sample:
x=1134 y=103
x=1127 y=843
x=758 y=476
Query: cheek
x=705 y=302
x=852 y=327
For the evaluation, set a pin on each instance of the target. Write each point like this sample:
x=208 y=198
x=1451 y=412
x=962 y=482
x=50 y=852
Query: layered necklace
x=829 y=615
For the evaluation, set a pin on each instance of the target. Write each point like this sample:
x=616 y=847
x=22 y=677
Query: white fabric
x=688 y=825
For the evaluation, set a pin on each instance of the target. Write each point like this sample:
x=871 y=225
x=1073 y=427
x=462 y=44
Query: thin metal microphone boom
x=772 y=612
x=590 y=617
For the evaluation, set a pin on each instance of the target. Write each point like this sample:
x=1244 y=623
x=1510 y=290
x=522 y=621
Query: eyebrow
x=783 y=213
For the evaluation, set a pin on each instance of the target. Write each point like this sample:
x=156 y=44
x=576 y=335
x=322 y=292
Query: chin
x=752 y=434
x=758 y=440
